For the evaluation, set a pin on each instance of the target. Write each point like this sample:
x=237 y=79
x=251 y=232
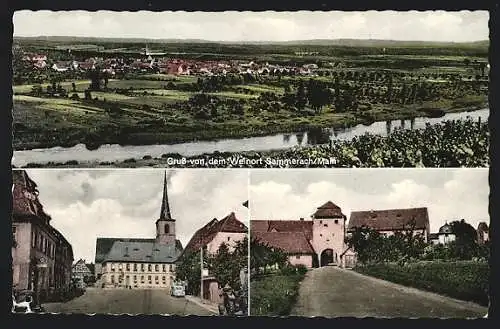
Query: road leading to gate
x=132 y=301
x=334 y=292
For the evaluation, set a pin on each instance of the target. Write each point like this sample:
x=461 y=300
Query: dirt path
x=334 y=292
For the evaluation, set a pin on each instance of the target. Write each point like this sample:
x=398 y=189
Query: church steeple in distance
x=165 y=207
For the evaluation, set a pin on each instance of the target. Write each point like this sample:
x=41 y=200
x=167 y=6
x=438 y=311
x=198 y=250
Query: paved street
x=119 y=301
x=333 y=292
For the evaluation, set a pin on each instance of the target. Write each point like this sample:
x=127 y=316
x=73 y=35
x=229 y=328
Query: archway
x=326 y=257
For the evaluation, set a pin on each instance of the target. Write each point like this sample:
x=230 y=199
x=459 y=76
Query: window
x=156 y=279
x=112 y=279
x=167 y=229
x=149 y=278
x=321 y=235
x=336 y=221
x=320 y=222
x=127 y=278
x=142 y=278
x=128 y=267
x=325 y=225
x=135 y=267
x=170 y=267
x=142 y=267
x=164 y=268
x=149 y=267
x=135 y=278
x=163 y=278
x=33 y=244
x=156 y=268
x=297 y=257
x=228 y=238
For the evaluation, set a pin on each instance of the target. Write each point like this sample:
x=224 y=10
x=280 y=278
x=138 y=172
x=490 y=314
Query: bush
x=274 y=294
x=465 y=280
x=301 y=269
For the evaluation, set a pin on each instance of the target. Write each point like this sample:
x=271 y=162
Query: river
x=115 y=152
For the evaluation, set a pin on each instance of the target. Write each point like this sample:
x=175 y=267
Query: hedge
x=274 y=294
x=465 y=280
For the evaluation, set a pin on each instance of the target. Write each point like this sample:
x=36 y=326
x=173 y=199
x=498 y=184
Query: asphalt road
x=333 y=292
x=124 y=301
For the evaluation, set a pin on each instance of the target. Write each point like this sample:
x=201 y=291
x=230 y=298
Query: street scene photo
x=250 y=89
x=383 y=243
x=130 y=241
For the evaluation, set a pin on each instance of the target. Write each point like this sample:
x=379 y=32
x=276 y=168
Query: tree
x=301 y=97
x=188 y=269
x=226 y=265
x=262 y=256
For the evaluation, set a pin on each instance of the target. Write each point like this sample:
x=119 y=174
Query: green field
x=362 y=86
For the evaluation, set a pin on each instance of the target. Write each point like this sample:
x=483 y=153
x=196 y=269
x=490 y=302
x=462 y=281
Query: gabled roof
x=328 y=210
x=298 y=226
x=289 y=242
x=104 y=246
x=146 y=252
x=206 y=234
x=389 y=220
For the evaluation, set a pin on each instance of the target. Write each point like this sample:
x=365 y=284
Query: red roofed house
x=390 y=221
x=228 y=230
x=41 y=257
x=321 y=240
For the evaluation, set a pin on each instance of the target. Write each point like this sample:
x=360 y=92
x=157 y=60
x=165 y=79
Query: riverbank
x=93 y=137
x=463 y=143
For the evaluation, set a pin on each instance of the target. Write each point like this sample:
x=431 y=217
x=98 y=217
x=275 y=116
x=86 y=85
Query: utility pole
x=201 y=273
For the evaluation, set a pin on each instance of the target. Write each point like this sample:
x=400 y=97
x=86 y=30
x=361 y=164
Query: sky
x=86 y=204
x=462 y=26
x=449 y=194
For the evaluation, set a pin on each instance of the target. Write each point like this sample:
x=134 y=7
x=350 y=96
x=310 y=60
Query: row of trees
x=225 y=266
x=374 y=247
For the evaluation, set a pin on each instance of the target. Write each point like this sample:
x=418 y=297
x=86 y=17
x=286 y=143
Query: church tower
x=165 y=225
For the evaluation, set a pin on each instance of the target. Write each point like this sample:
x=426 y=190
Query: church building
x=140 y=263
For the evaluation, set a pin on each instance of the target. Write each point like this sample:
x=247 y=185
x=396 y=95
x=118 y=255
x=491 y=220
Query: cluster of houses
x=152 y=63
x=320 y=241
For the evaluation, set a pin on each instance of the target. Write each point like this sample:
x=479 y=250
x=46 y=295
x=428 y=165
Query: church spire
x=165 y=207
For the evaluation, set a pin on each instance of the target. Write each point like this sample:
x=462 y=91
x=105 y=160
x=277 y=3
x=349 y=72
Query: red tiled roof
x=289 y=242
x=206 y=234
x=297 y=226
x=329 y=210
x=391 y=219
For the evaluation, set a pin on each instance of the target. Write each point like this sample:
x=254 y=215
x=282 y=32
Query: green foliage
x=226 y=265
x=466 y=280
x=274 y=294
x=373 y=247
x=188 y=269
x=263 y=257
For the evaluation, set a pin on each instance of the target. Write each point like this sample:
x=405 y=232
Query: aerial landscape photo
x=250 y=89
